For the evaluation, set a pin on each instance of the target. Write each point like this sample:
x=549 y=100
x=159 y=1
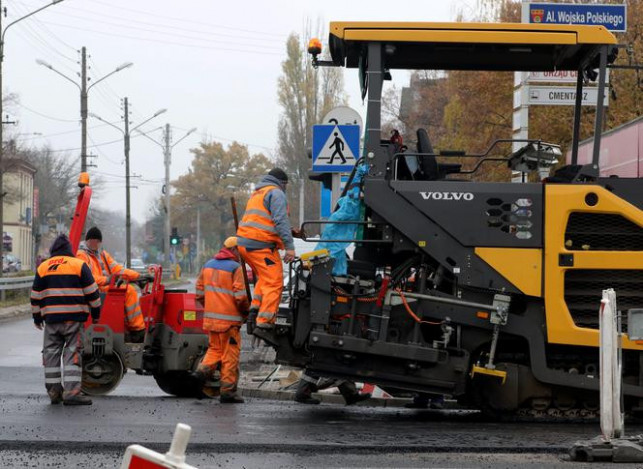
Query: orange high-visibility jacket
x=64 y=290
x=103 y=266
x=257 y=222
x=221 y=282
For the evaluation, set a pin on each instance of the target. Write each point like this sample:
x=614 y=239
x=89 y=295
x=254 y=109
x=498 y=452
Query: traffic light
x=175 y=239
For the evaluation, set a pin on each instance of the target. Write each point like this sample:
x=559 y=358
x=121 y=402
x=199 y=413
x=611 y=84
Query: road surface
x=260 y=433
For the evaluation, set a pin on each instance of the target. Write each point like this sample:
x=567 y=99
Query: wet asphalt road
x=259 y=433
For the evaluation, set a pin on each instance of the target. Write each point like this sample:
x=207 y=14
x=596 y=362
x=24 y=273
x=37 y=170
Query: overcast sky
x=214 y=65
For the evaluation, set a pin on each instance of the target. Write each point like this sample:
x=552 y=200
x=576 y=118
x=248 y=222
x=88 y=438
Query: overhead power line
x=45 y=115
x=203 y=23
x=160 y=41
x=128 y=21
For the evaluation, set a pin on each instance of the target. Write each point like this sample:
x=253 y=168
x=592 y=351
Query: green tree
x=216 y=174
x=305 y=95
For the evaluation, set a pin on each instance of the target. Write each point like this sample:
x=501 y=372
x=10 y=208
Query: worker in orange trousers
x=263 y=231
x=221 y=285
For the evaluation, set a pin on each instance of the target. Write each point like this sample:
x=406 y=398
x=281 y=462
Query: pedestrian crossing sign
x=335 y=148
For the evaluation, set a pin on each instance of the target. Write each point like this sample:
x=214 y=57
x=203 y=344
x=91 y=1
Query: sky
x=213 y=65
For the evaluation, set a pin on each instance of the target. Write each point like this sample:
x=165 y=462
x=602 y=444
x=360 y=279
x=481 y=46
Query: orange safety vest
x=257 y=222
x=221 y=282
x=104 y=267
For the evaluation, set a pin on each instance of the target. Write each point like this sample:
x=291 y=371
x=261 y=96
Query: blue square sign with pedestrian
x=335 y=148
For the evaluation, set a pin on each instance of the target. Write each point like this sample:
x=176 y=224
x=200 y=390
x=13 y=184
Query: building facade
x=18 y=183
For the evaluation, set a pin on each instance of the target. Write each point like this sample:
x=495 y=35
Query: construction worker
x=264 y=230
x=310 y=383
x=226 y=304
x=104 y=267
x=62 y=296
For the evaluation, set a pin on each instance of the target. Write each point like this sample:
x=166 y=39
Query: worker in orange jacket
x=264 y=230
x=104 y=267
x=226 y=303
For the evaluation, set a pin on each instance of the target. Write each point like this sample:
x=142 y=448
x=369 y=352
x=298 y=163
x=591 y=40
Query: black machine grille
x=584 y=289
x=602 y=232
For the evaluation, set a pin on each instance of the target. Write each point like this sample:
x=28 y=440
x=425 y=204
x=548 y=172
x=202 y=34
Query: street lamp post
x=126 y=139
x=167 y=158
x=84 y=90
x=2 y=33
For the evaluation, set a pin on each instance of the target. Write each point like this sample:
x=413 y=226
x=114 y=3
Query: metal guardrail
x=15 y=283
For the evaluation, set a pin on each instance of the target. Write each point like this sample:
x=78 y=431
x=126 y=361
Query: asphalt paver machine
x=485 y=291
x=174 y=342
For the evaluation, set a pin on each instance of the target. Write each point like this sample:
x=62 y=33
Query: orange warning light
x=314 y=46
x=83 y=180
x=482 y=315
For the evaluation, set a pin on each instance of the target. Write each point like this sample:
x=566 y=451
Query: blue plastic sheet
x=349 y=209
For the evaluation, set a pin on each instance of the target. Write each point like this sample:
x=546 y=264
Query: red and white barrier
x=139 y=457
x=375 y=391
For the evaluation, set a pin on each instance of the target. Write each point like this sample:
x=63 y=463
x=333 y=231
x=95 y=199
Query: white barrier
x=139 y=457
x=610 y=368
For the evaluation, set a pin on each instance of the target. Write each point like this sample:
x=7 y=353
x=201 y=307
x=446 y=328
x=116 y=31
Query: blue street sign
x=613 y=17
x=335 y=148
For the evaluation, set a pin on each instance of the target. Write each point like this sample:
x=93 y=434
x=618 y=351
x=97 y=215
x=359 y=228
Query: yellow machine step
x=479 y=370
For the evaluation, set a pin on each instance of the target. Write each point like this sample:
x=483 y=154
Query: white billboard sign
x=563 y=96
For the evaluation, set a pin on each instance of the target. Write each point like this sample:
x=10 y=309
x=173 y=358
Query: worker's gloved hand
x=120 y=281
x=298 y=233
x=289 y=256
x=144 y=279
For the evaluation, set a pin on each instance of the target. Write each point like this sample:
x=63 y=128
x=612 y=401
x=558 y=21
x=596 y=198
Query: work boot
x=135 y=337
x=56 y=398
x=437 y=403
x=198 y=376
x=230 y=399
x=77 y=399
x=420 y=401
x=357 y=397
x=303 y=399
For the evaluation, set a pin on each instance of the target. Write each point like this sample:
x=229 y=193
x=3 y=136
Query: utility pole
x=167 y=146
x=84 y=90
x=83 y=110
x=126 y=140
x=128 y=222
x=167 y=157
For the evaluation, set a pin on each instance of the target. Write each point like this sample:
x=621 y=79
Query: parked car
x=139 y=266
x=11 y=263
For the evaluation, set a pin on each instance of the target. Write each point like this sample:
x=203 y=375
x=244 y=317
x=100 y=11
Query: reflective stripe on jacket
x=257 y=221
x=64 y=290
x=103 y=266
x=221 y=282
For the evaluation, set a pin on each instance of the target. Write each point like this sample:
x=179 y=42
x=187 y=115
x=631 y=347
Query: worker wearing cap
x=226 y=304
x=264 y=230
x=62 y=297
x=104 y=267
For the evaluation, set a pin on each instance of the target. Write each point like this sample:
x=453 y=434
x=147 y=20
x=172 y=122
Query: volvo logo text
x=447 y=195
